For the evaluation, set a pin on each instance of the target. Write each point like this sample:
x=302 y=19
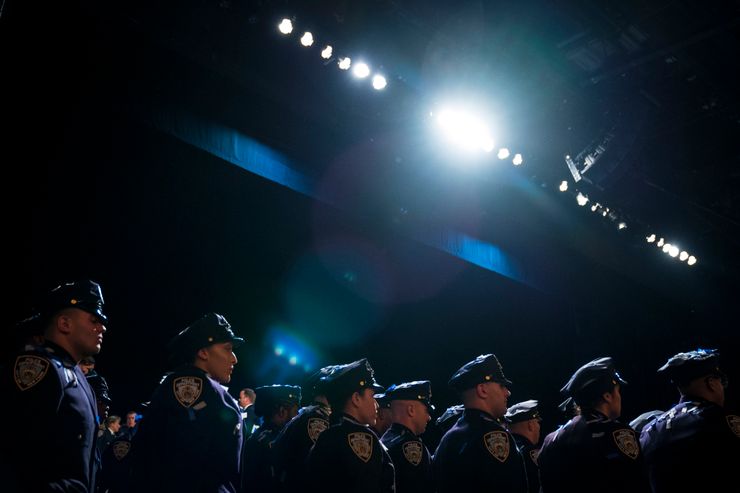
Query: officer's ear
x=356 y=398
x=202 y=354
x=411 y=409
x=63 y=322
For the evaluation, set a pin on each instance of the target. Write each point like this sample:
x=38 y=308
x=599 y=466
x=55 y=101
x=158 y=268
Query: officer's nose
x=234 y=358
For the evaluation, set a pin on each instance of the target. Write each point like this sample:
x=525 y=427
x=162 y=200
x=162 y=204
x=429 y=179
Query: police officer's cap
x=315 y=384
x=419 y=390
x=382 y=399
x=594 y=377
x=210 y=329
x=450 y=416
x=484 y=368
x=643 y=420
x=522 y=411
x=100 y=387
x=85 y=295
x=684 y=367
x=269 y=396
x=350 y=378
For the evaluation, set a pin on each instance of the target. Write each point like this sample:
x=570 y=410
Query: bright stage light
x=622 y=225
x=660 y=243
x=307 y=39
x=361 y=70
x=683 y=256
x=563 y=186
x=651 y=238
x=581 y=199
x=465 y=130
x=326 y=52
x=517 y=159
x=503 y=153
x=666 y=247
x=285 y=26
x=293 y=360
x=379 y=82
x=345 y=63
x=673 y=251
x=692 y=260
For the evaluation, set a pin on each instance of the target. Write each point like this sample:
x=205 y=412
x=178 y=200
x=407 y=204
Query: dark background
x=94 y=190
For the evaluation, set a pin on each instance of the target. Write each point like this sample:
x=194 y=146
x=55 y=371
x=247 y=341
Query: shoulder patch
x=187 y=390
x=361 y=444
x=413 y=452
x=734 y=422
x=120 y=449
x=627 y=443
x=29 y=370
x=315 y=426
x=534 y=454
x=497 y=443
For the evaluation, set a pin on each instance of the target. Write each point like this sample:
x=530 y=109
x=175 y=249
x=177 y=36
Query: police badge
x=120 y=449
x=187 y=390
x=497 y=443
x=362 y=445
x=734 y=422
x=412 y=452
x=627 y=443
x=315 y=426
x=29 y=370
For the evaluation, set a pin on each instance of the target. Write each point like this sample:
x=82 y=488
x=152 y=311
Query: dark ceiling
x=171 y=231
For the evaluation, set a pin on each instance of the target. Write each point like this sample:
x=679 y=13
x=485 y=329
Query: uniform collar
x=470 y=413
x=347 y=417
x=402 y=429
x=57 y=350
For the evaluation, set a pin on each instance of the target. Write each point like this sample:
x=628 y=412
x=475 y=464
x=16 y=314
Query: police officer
x=410 y=405
x=477 y=453
x=190 y=437
x=47 y=399
x=644 y=419
x=348 y=456
x=593 y=451
x=384 y=419
x=523 y=421
x=276 y=405
x=442 y=425
x=695 y=445
x=291 y=447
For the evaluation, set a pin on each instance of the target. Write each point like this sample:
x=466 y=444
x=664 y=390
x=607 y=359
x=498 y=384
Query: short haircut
x=112 y=419
x=249 y=393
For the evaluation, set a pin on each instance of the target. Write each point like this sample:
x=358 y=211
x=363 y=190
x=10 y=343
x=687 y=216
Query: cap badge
x=120 y=449
x=734 y=422
x=627 y=443
x=412 y=452
x=187 y=390
x=29 y=370
x=362 y=445
x=315 y=427
x=497 y=443
x=73 y=301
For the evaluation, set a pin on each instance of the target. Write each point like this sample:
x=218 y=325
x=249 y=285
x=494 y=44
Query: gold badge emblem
x=734 y=422
x=412 y=452
x=362 y=445
x=315 y=427
x=534 y=454
x=120 y=449
x=29 y=370
x=187 y=390
x=497 y=443
x=627 y=443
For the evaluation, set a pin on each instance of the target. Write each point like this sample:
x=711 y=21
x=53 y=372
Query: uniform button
x=79 y=437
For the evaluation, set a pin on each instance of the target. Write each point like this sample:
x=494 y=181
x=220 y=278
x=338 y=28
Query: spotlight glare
x=285 y=26
x=488 y=145
x=622 y=225
x=651 y=238
x=517 y=159
x=326 y=52
x=594 y=207
x=293 y=360
x=361 y=70
x=692 y=260
x=673 y=251
x=660 y=243
x=581 y=199
x=307 y=39
x=666 y=247
x=345 y=63
x=563 y=186
x=379 y=82
x=503 y=153
x=278 y=350
x=684 y=255
x=465 y=130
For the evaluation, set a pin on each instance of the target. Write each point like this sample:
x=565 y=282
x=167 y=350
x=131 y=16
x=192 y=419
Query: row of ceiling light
x=360 y=69
x=671 y=249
